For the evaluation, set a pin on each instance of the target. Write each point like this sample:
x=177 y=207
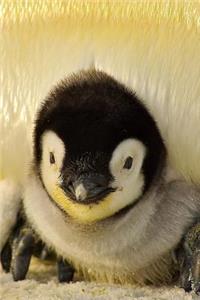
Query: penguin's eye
x=128 y=163
x=52 y=158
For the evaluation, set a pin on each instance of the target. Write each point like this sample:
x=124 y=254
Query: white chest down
x=134 y=247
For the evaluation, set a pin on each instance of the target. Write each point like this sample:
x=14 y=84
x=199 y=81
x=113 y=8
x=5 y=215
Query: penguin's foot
x=18 y=250
x=189 y=260
x=65 y=271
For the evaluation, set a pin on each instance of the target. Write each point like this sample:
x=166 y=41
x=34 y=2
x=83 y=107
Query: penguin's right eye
x=52 y=158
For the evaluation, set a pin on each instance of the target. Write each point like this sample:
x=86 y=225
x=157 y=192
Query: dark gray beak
x=88 y=188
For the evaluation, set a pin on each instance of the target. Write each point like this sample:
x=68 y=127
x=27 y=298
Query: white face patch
x=125 y=166
x=53 y=152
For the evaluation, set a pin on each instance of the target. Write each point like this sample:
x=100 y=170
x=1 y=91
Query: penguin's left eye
x=128 y=163
x=52 y=158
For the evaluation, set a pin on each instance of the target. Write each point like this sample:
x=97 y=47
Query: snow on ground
x=41 y=284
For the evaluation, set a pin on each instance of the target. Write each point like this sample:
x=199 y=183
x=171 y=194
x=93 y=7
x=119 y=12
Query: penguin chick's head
x=96 y=148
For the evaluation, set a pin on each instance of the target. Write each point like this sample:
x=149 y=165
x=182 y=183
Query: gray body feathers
x=136 y=246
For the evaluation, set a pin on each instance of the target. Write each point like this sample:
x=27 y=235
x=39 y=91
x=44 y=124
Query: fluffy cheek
x=128 y=190
x=128 y=181
x=50 y=172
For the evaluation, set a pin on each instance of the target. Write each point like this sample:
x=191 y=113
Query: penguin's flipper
x=6 y=251
x=19 y=248
x=6 y=256
x=22 y=251
x=189 y=260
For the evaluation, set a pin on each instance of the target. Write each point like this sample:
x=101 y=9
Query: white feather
x=10 y=196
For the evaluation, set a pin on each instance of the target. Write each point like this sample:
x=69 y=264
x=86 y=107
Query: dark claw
x=6 y=256
x=23 y=247
x=189 y=260
x=65 y=271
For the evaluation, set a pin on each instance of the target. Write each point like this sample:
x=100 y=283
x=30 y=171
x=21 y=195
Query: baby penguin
x=99 y=193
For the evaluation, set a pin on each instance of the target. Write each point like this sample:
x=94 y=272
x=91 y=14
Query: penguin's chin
x=88 y=213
